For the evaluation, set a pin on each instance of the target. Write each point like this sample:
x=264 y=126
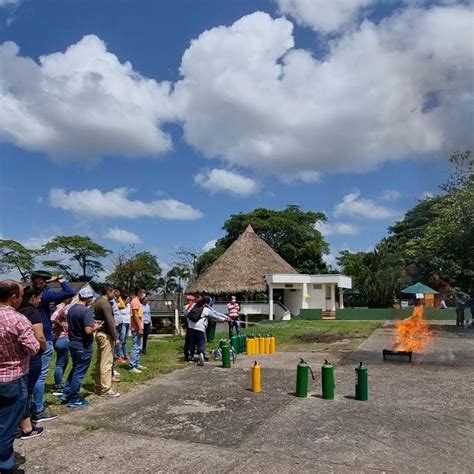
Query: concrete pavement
x=419 y=418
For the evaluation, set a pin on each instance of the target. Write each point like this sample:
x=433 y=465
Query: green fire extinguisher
x=302 y=379
x=225 y=348
x=327 y=379
x=362 y=383
x=234 y=340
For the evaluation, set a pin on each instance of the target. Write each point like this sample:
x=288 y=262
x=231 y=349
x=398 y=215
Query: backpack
x=195 y=314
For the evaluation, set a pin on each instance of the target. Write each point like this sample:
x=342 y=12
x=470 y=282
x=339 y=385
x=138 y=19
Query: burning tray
x=396 y=355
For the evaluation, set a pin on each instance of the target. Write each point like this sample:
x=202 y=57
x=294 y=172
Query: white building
x=301 y=291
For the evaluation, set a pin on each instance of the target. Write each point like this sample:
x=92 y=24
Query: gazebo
x=242 y=268
x=422 y=291
x=250 y=265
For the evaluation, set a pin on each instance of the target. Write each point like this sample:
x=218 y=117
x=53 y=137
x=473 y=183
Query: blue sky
x=154 y=121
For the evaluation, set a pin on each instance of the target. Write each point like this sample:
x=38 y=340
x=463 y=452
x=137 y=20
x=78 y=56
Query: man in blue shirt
x=40 y=280
x=81 y=329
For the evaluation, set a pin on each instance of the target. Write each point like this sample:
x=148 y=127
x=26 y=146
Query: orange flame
x=412 y=334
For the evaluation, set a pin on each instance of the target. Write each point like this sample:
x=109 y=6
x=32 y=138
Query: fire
x=412 y=334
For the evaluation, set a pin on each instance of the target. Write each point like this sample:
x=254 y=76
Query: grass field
x=165 y=354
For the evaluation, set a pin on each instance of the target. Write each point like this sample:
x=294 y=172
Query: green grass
x=298 y=334
x=165 y=354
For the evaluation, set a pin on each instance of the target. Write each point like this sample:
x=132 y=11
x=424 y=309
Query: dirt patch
x=325 y=338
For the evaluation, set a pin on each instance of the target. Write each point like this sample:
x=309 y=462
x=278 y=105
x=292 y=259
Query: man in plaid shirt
x=17 y=343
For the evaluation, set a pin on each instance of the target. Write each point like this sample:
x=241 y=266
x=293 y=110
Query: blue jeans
x=61 y=346
x=31 y=379
x=235 y=323
x=13 y=396
x=198 y=342
x=81 y=359
x=38 y=392
x=136 y=348
x=122 y=350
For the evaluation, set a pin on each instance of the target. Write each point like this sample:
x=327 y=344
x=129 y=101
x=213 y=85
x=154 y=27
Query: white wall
x=292 y=300
x=317 y=297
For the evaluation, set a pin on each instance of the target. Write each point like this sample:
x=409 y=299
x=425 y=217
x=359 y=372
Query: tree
x=377 y=275
x=81 y=250
x=15 y=256
x=180 y=275
x=57 y=266
x=136 y=270
x=436 y=237
x=186 y=259
x=290 y=232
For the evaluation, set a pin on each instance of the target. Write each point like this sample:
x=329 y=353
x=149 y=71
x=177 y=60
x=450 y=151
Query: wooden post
x=270 y=302
x=176 y=322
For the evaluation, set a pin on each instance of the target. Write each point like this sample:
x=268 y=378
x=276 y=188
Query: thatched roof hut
x=242 y=268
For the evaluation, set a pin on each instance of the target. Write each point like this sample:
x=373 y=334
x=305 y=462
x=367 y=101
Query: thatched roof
x=242 y=268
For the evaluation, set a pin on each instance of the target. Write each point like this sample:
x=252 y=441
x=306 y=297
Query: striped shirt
x=17 y=343
x=233 y=310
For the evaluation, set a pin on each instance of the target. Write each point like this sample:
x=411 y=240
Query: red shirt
x=17 y=343
x=233 y=310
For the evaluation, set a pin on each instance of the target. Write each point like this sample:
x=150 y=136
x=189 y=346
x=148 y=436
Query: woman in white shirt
x=121 y=351
x=198 y=328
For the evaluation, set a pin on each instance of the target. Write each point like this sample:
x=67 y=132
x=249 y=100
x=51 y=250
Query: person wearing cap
x=190 y=302
x=233 y=311
x=40 y=280
x=81 y=328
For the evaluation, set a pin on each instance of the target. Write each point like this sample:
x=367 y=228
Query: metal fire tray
x=396 y=355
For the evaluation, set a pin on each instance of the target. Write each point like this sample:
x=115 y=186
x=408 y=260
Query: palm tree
x=179 y=275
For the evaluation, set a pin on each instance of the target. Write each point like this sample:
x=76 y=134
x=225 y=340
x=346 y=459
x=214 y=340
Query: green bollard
x=225 y=356
x=302 y=379
x=241 y=344
x=362 y=383
x=235 y=343
x=327 y=379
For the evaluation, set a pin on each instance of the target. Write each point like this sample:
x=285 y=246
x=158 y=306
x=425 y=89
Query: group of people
x=197 y=313
x=30 y=333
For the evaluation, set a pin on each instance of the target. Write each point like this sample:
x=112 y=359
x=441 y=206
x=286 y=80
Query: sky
x=152 y=122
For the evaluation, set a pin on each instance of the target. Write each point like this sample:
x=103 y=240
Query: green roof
x=420 y=288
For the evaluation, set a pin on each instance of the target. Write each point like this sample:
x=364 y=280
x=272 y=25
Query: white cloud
x=218 y=180
x=354 y=206
x=36 y=242
x=426 y=195
x=400 y=88
x=93 y=203
x=391 y=195
x=323 y=15
x=330 y=259
x=122 y=236
x=81 y=104
x=336 y=228
x=9 y=2
x=209 y=245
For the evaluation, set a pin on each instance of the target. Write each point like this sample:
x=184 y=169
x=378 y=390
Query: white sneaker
x=135 y=370
x=141 y=367
x=111 y=394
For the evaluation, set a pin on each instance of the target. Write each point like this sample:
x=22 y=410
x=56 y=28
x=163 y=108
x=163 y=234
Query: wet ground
x=419 y=418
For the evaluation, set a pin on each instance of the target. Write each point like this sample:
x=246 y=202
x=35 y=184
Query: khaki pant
x=105 y=360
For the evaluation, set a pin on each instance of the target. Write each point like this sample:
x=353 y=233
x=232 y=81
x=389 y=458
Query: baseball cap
x=233 y=298
x=41 y=274
x=190 y=298
x=86 y=293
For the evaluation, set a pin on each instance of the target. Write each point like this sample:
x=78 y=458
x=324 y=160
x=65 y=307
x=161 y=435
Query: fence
x=378 y=314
